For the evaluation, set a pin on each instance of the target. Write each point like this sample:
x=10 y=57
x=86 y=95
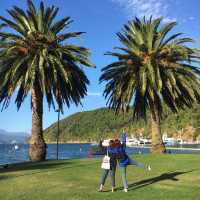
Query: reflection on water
x=8 y=153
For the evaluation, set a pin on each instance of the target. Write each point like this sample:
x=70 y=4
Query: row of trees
x=151 y=69
x=105 y=124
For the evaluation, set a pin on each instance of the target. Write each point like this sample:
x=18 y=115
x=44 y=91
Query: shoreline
x=71 y=142
x=51 y=143
x=168 y=147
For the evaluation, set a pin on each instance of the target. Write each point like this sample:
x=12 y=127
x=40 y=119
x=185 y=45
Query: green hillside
x=101 y=123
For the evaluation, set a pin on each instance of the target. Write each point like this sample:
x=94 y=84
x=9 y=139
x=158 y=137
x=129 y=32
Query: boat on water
x=169 y=141
x=94 y=144
x=16 y=147
x=131 y=142
x=145 y=141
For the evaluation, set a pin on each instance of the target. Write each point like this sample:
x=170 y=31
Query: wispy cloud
x=191 y=18
x=140 y=8
x=94 y=94
x=169 y=19
x=188 y=19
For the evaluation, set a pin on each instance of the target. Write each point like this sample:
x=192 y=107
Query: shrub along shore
x=89 y=126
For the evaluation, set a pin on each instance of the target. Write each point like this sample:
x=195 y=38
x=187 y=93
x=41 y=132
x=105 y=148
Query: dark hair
x=111 y=143
x=117 y=142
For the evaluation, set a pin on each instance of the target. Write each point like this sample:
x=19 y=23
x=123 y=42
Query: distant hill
x=12 y=137
x=102 y=123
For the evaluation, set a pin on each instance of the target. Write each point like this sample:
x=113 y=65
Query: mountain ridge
x=103 y=123
x=7 y=137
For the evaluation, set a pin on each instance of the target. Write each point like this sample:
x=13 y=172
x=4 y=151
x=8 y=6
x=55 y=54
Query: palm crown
x=35 y=53
x=151 y=68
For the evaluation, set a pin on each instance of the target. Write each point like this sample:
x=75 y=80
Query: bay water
x=9 y=154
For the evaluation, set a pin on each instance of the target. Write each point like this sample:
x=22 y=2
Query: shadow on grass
x=38 y=168
x=165 y=176
x=3 y=178
x=32 y=166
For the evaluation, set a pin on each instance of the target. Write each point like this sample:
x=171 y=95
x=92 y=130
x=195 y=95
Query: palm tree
x=152 y=69
x=35 y=57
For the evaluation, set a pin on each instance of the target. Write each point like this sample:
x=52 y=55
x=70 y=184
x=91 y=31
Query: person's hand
x=123 y=137
x=123 y=134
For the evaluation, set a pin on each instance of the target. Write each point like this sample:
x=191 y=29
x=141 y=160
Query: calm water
x=67 y=151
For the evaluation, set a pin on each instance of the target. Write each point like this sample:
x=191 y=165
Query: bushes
x=102 y=123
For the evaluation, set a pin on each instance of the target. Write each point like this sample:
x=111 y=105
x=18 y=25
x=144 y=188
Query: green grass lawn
x=173 y=177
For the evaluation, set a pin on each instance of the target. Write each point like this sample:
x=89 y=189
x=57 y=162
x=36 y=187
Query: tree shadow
x=165 y=176
x=3 y=178
x=43 y=167
x=32 y=166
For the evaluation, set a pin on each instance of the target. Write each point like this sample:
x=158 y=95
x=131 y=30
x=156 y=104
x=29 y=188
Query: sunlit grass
x=172 y=177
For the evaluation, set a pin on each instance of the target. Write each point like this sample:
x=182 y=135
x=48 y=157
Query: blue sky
x=100 y=19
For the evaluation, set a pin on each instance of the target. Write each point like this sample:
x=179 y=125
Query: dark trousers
x=111 y=172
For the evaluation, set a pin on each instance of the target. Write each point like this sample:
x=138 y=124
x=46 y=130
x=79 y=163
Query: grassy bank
x=172 y=177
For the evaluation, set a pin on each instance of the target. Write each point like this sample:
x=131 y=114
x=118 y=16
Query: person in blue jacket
x=124 y=160
x=112 y=152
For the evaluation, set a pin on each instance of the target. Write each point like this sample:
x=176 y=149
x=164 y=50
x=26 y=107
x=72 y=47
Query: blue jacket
x=112 y=152
x=122 y=150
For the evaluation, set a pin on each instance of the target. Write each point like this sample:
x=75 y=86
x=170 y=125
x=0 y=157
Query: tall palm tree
x=152 y=69
x=35 y=57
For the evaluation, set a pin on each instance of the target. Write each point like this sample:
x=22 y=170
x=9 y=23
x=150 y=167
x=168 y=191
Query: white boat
x=16 y=147
x=130 y=142
x=169 y=140
x=145 y=141
x=94 y=144
x=180 y=141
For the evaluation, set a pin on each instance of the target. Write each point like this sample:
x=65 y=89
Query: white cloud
x=94 y=94
x=188 y=19
x=191 y=18
x=168 y=19
x=140 y=8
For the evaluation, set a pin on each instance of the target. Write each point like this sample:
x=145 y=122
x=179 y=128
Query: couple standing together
x=117 y=153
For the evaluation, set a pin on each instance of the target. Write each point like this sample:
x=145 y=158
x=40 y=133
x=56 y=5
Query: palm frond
x=151 y=69
x=34 y=54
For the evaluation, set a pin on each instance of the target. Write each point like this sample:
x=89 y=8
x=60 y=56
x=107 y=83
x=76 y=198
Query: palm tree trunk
x=37 y=149
x=157 y=142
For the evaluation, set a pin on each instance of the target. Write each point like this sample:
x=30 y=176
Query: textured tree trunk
x=37 y=149
x=158 y=146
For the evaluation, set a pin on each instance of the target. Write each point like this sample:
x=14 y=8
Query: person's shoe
x=100 y=188
x=125 y=190
x=149 y=168
x=113 y=189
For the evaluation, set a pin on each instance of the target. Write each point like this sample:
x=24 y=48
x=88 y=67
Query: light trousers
x=123 y=171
